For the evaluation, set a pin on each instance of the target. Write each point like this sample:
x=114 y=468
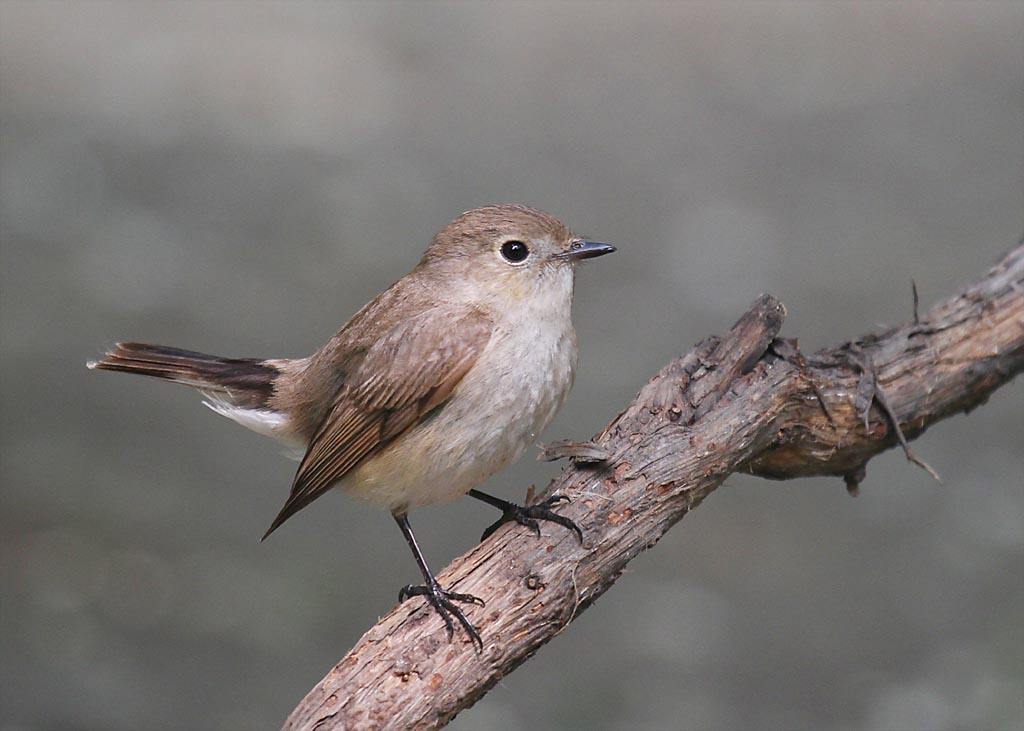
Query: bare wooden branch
x=749 y=402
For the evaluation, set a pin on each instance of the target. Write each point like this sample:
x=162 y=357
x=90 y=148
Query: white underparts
x=267 y=422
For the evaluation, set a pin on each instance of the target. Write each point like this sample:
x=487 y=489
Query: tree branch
x=747 y=402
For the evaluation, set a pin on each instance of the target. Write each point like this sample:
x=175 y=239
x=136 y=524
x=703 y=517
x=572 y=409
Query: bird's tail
x=243 y=382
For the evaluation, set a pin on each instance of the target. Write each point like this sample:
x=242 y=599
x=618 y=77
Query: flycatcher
x=442 y=380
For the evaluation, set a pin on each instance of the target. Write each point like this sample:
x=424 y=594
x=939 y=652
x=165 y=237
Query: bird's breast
x=499 y=409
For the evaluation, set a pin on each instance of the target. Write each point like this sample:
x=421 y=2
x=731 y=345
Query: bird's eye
x=514 y=251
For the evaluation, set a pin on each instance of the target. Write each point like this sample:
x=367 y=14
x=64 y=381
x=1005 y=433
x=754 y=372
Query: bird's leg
x=441 y=599
x=527 y=515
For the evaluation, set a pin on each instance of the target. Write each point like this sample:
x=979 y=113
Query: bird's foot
x=528 y=515
x=443 y=602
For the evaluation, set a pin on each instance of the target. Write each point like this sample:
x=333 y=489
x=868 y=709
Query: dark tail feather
x=246 y=382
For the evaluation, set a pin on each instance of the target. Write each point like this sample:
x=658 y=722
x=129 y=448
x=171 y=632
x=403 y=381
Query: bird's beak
x=583 y=249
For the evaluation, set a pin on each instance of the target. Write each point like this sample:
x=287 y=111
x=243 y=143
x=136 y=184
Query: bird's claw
x=528 y=515
x=443 y=602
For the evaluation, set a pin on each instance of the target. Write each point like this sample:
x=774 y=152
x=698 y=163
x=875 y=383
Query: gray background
x=240 y=177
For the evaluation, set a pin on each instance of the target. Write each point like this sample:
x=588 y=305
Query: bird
x=439 y=382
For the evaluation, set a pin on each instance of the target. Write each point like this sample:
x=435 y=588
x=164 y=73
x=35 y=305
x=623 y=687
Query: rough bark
x=747 y=402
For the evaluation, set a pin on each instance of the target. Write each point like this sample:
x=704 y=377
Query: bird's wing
x=401 y=377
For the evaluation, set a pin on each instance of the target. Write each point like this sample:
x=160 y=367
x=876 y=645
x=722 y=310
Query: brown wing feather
x=404 y=375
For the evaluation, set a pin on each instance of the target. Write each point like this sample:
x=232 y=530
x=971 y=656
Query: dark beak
x=587 y=250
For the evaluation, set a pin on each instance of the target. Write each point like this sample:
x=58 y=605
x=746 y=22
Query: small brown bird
x=442 y=380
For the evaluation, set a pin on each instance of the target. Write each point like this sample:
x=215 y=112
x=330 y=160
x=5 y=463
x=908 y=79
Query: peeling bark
x=747 y=402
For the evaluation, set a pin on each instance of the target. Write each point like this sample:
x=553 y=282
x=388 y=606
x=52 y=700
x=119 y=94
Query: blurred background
x=240 y=177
